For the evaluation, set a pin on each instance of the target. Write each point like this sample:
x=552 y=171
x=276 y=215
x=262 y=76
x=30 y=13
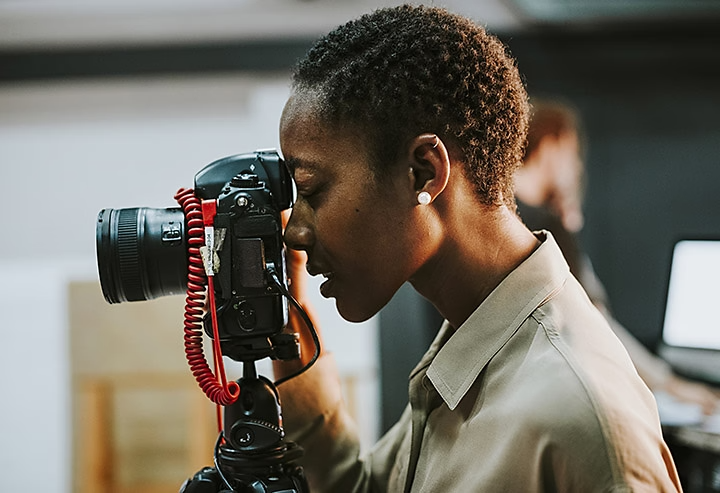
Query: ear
x=429 y=164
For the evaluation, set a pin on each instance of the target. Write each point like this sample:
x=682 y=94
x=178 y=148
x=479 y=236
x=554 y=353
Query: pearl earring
x=424 y=198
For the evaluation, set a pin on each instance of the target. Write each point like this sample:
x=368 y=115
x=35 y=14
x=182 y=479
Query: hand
x=694 y=392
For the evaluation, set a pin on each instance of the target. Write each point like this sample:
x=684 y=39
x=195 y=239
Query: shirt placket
x=421 y=403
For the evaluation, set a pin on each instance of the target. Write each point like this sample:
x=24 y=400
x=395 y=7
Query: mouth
x=326 y=288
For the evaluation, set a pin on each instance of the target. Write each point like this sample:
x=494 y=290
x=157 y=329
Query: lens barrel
x=141 y=253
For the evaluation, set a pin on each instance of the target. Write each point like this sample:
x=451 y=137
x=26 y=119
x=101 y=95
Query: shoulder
x=566 y=371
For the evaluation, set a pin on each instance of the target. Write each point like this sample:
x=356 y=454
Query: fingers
x=694 y=392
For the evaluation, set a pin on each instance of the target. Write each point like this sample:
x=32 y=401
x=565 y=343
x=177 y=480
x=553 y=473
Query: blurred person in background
x=549 y=190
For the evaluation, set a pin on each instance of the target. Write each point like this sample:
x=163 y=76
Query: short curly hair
x=401 y=71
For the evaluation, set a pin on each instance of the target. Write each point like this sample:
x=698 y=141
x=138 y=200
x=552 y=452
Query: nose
x=299 y=232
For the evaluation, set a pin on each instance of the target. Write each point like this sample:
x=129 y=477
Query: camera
x=142 y=253
x=223 y=247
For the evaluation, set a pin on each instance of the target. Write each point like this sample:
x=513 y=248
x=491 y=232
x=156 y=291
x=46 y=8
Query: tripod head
x=251 y=455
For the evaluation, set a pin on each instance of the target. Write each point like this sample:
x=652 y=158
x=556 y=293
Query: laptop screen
x=692 y=310
x=691 y=326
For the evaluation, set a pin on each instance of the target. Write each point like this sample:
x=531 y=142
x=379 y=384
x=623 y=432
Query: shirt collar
x=469 y=349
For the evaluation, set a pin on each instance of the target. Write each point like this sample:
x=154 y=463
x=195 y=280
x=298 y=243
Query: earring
x=424 y=198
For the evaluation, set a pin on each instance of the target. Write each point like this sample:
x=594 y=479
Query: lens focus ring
x=129 y=254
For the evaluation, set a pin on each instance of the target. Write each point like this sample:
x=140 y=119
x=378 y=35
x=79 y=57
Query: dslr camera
x=142 y=253
x=223 y=247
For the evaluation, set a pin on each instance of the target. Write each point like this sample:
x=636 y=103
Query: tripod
x=251 y=454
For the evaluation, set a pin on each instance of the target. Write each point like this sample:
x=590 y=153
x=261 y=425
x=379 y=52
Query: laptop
x=691 y=323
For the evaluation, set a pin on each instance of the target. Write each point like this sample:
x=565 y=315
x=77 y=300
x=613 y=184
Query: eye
x=312 y=194
x=309 y=196
x=303 y=188
x=309 y=187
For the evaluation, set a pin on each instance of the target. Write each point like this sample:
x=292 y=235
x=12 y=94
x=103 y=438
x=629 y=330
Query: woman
x=403 y=131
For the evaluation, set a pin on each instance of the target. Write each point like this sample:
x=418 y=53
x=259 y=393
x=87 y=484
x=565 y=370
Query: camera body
x=251 y=191
x=143 y=252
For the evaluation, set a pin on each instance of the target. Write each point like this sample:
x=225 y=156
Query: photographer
x=403 y=131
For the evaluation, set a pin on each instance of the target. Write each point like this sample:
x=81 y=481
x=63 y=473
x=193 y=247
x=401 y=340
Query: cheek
x=336 y=232
x=346 y=235
x=361 y=226
x=372 y=259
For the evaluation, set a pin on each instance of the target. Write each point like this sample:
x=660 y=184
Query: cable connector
x=209 y=210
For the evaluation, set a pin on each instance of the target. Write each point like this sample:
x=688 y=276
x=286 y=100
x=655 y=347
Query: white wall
x=68 y=150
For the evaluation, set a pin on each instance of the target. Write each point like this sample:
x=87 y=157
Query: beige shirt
x=532 y=393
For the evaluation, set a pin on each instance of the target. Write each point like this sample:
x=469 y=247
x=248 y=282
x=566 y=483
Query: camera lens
x=141 y=253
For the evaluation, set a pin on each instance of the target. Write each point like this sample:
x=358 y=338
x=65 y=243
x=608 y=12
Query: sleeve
x=315 y=417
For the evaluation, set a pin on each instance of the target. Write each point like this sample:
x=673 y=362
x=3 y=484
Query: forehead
x=311 y=145
x=300 y=108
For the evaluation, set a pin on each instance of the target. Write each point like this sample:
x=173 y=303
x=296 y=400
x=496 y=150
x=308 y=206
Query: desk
x=694 y=440
x=696 y=452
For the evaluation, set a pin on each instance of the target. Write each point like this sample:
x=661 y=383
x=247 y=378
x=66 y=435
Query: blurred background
x=113 y=104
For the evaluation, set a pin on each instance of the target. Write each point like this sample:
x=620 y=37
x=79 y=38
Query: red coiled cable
x=218 y=391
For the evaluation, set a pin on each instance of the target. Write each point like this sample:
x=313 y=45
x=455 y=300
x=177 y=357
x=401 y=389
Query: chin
x=355 y=314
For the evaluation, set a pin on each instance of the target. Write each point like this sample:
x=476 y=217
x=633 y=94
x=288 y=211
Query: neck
x=480 y=249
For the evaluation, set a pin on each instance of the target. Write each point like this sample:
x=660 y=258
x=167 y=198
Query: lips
x=326 y=287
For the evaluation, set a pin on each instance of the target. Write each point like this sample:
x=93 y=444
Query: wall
x=67 y=150
x=649 y=101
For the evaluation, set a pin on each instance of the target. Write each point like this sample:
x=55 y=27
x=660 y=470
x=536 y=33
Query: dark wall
x=18 y=66
x=650 y=101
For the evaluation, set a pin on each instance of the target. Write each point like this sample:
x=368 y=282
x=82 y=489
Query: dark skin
x=368 y=235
